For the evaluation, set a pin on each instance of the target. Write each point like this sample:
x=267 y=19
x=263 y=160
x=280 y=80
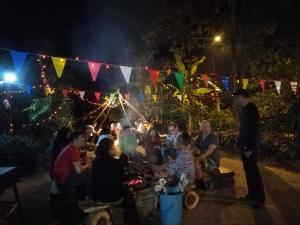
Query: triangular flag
x=47 y=91
x=147 y=90
x=180 y=79
x=18 y=60
x=154 y=97
x=141 y=97
x=154 y=75
x=205 y=79
x=59 y=65
x=97 y=95
x=294 y=86
x=262 y=84
x=127 y=96
x=94 y=68
x=278 y=85
x=245 y=83
x=65 y=92
x=81 y=94
x=126 y=71
x=225 y=82
x=179 y=97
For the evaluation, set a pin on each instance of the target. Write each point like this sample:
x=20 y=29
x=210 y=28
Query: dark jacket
x=249 y=128
x=107 y=177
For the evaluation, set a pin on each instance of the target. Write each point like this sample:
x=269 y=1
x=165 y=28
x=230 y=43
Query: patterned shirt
x=184 y=163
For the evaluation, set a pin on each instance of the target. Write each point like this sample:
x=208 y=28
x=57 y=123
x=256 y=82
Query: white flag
x=179 y=97
x=126 y=72
x=294 y=86
x=278 y=85
x=81 y=94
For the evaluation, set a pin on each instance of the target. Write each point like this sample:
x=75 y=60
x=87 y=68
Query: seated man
x=107 y=174
x=207 y=157
x=68 y=172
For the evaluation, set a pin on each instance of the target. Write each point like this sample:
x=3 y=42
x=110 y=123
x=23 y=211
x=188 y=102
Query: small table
x=8 y=178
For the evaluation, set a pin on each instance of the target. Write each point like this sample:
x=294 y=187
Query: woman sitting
x=184 y=161
x=152 y=146
x=107 y=174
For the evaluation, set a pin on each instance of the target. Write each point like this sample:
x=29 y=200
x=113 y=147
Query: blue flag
x=18 y=60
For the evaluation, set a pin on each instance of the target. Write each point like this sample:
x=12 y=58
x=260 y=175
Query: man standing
x=249 y=144
x=208 y=155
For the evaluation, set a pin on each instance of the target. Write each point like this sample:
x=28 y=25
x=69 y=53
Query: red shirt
x=63 y=166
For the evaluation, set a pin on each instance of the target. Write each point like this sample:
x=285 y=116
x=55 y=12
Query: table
x=8 y=178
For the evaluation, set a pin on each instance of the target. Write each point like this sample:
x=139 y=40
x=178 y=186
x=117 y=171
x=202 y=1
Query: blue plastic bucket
x=171 y=207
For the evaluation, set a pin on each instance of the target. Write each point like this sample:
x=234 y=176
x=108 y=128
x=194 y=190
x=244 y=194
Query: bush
x=24 y=152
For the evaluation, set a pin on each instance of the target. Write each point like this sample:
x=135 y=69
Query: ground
x=216 y=207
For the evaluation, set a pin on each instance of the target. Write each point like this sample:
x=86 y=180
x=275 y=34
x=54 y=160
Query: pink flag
x=65 y=92
x=262 y=84
x=94 y=68
x=97 y=95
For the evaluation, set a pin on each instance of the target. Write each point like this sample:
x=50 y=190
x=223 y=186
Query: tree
x=181 y=33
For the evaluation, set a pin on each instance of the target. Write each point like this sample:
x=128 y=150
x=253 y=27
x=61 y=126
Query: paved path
x=216 y=207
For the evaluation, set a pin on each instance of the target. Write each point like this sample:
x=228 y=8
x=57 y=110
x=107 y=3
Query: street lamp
x=217 y=39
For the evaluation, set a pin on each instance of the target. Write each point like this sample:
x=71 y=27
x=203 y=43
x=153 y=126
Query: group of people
x=102 y=175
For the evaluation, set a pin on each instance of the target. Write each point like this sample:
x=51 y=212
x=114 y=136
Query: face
x=205 y=127
x=152 y=133
x=80 y=141
x=172 y=129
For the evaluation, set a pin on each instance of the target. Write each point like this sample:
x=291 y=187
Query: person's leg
x=247 y=169
x=256 y=180
x=198 y=169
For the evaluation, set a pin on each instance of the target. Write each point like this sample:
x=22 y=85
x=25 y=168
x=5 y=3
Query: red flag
x=262 y=84
x=97 y=95
x=154 y=74
x=94 y=68
x=127 y=96
x=65 y=92
x=205 y=78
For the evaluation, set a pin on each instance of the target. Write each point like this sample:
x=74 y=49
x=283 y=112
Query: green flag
x=180 y=79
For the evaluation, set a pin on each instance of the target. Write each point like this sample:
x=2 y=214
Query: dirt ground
x=216 y=207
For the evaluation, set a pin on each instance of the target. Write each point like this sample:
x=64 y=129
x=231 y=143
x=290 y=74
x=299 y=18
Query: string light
x=50 y=117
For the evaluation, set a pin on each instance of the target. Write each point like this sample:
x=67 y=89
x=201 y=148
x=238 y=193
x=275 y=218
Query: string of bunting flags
x=19 y=57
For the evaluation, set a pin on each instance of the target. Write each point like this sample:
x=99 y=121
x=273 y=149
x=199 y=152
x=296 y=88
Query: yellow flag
x=154 y=98
x=147 y=90
x=245 y=83
x=59 y=65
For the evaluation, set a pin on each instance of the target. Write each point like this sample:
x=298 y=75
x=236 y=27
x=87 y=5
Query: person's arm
x=210 y=150
x=80 y=168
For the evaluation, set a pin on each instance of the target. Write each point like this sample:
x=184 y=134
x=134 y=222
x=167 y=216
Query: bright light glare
x=10 y=77
x=217 y=38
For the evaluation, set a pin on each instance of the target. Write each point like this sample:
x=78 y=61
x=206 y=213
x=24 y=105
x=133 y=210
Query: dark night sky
x=88 y=28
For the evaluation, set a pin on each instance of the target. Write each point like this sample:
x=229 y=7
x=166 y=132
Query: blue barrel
x=171 y=207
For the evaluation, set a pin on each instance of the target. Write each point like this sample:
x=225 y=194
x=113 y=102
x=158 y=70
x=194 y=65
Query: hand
x=247 y=154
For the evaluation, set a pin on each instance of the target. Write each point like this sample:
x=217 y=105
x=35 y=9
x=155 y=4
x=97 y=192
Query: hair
x=126 y=127
x=242 y=92
x=173 y=124
x=204 y=121
x=105 y=130
x=75 y=135
x=184 y=138
x=104 y=146
x=61 y=139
